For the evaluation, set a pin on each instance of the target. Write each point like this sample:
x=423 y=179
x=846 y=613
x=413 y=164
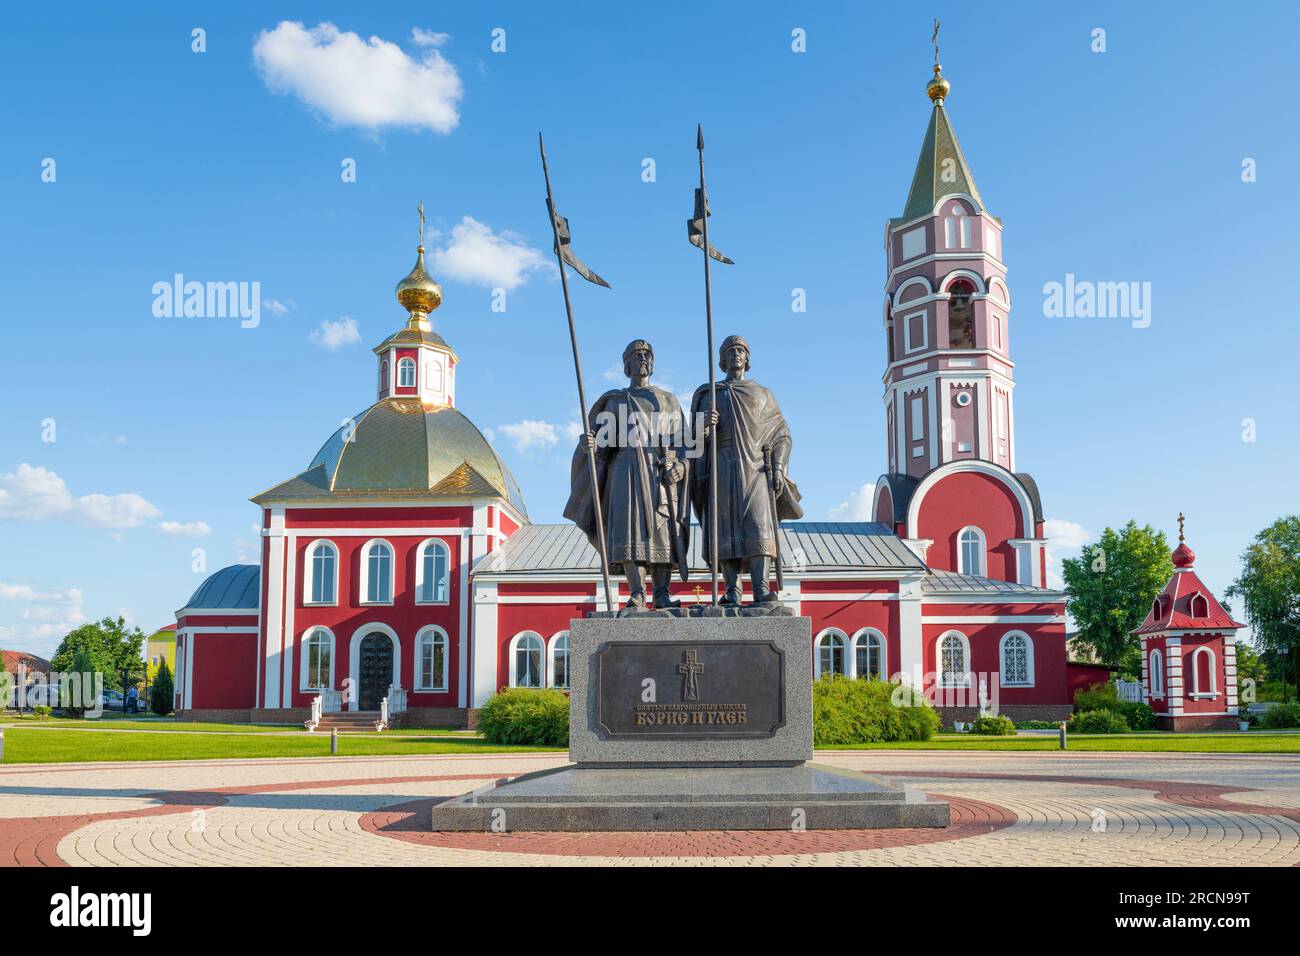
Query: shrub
x=42 y=711
x=1137 y=715
x=868 y=711
x=1036 y=725
x=1283 y=715
x=994 y=725
x=160 y=693
x=1098 y=722
x=519 y=715
x=1097 y=697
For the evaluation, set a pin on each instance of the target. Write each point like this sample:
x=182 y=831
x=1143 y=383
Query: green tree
x=1110 y=587
x=1269 y=586
x=111 y=647
x=160 y=694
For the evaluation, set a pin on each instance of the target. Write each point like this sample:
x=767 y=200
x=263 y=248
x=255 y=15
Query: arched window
x=1199 y=605
x=526 y=661
x=377 y=573
x=318 y=660
x=1016 y=653
x=383 y=375
x=954 y=660
x=431 y=573
x=869 y=655
x=957 y=229
x=961 y=315
x=559 y=661
x=830 y=653
x=970 y=552
x=1203 y=676
x=1156 y=674
x=406 y=373
x=322 y=573
x=431 y=659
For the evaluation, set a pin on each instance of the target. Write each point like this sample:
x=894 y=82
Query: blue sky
x=225 y=166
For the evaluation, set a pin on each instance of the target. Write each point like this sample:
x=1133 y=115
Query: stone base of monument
x=807 y=796
x=691 y=723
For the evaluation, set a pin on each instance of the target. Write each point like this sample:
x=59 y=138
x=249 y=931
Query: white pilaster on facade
x=274 y=637
x=486 y=611
x=910 y=645
x=1174 y=675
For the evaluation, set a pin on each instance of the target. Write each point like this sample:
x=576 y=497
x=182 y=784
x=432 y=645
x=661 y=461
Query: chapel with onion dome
x=400 y=577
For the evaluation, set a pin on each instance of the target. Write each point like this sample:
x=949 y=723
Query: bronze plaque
x=709 y=690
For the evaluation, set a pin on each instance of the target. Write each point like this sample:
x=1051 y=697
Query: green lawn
x=30 y=745
x=189 y=727
x=1251 y=742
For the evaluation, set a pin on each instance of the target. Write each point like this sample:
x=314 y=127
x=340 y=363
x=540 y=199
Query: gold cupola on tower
x=418 y=293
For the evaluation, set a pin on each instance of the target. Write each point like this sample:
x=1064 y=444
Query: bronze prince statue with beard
x=641 y=471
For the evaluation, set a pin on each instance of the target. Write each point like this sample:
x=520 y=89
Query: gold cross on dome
x=420 y=209
x=934 y=38
x=1180 y=526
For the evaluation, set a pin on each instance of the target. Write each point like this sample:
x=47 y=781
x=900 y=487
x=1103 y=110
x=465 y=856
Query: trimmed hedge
x=1137 y=715
x=849 y=711
x=1281 y=716
x=519 y=715
x=1037 y=725
x=1101 y=721
x=994 y=726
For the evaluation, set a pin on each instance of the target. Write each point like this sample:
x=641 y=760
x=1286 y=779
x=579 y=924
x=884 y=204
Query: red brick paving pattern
x=33 y=841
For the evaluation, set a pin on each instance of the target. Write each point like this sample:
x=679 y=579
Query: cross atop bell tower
x=949 y=377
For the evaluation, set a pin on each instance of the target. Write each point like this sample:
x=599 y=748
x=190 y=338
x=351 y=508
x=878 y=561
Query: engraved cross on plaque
x=692 y=669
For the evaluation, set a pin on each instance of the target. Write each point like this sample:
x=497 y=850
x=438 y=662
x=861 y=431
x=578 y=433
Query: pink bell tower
x=949 y=382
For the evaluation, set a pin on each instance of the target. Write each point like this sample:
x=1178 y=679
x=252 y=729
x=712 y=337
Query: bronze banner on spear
x=565 y=256
x=697 y=230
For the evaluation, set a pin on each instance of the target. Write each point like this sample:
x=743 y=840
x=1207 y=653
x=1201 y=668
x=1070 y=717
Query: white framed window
x=971 y=551
x=433 y=375
x=377 y=572
x=1016 y=659
x=1204 y=680
x=383 y=375
x=829 y=653
x=317 y=659
x=1156 y=674
x=557 y=661
x=406 y=373
x=914 y=242
x=527 y=652
x=869 y=655
x=431 y=644
x=321 y=578
x=918 y=418
x=916 y=331
x=953 y=656
x=432 y=573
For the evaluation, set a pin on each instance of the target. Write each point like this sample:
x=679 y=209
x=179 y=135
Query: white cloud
x=42 y=616
x=857 y=507
x=479 y=256
x=335 y=335
x=193 y=529
x=1065 y=538
x=423 y=37
x=530 y=434
x=275 y=306
x=368 y=83
x=33 y=493
x=573 y=430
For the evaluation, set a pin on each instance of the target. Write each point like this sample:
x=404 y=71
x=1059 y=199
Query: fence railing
x=1129 y=690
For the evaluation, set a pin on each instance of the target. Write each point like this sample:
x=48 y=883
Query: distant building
x=1189 y=652
x=161 y=646
x=401 y=562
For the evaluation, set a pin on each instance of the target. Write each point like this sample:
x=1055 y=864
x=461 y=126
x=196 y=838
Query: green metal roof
x=941 y=170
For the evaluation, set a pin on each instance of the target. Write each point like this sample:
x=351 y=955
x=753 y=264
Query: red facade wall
x=1083 y=676
x=949 y=506
x=1203 y=705
x=1050 y=680
x=224 y=669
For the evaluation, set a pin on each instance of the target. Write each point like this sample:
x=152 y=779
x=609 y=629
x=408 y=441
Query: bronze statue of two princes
x=652 y=471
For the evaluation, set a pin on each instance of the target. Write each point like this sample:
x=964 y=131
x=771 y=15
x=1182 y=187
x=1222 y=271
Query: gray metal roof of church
x=235 y=587
x=812 y=545
x=949 y=582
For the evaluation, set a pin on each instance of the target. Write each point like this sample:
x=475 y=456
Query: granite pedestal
x=690 y=723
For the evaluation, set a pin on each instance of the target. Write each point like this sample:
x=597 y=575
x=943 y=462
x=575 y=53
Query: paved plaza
x=1008 y=809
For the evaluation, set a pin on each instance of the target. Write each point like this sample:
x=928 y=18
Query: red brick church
x=399 y=568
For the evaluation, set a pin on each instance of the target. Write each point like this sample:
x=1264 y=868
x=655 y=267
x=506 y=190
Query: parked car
x=113 y=700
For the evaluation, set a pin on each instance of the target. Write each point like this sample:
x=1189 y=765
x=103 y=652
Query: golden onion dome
x=938 y=87
x=418 y=292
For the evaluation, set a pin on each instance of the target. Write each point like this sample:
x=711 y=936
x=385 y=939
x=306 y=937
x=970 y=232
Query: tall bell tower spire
x=949 y=377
